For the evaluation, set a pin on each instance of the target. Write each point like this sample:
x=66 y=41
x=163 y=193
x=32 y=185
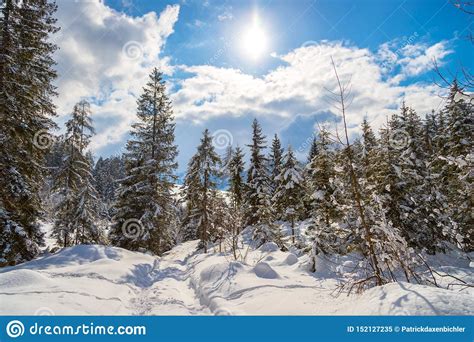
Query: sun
x=253 y=41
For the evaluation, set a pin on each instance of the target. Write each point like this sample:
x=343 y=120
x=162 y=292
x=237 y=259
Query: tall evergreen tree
x=275 y=167
x=276 y=159
x=257 y=175
x=77 y=212
x=107 y=173
x=422 y=210
x=290 y=191
x=200 y=189
x=453 y=164
x=325 y=208
x=260 y=212
x=236 y=182
x=307 y=197
x=145 y=208
x=26 y=108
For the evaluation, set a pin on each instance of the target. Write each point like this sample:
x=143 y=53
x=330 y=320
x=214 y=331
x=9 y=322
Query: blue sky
x=386 y=47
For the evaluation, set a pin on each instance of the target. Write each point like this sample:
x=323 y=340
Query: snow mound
x=264 y=270
x=219 y=271
x=402 y=298
x=19 y=278
x=77 y=255
x=269 y=247
x=291 y=259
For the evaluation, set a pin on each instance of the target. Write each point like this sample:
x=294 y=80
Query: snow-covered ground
x=100 y=280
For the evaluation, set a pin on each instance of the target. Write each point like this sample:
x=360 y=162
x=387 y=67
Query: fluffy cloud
x=106 y=56
x=300 y=87
x=419 y=58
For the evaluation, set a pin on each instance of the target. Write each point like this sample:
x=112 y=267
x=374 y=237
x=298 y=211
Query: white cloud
x=420 y=58
x=299 y=88
x=107 y=55
x=410 y=59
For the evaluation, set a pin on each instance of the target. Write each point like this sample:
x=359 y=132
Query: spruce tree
x=236 y=181
x=26 y=108
x=290 y=191
x=313 y=150
x=325 y=208
x=276 y=164
x=145 y=208
x=422 y=213
x=191 y=189
x=107 y=173
x=200 y=189
x=453 y=165
x=259 y=211
x=307 y=199
x=257 y=175
x=77 y=212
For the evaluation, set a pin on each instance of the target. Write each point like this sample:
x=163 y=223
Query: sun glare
x=253 y=40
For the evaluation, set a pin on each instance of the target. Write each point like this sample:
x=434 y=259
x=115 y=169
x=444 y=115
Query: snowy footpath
x=101 y=280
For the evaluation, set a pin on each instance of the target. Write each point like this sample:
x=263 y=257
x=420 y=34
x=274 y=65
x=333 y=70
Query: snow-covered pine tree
x=107 y=172
x=26 y=76
x=365 y=150
x=453 y=164
x=236 y=168
x=430 y=131
x=313 y=150
x=259 y=210
x=369 y=142
x=341 y=97
x=289 y=193
x=275 y=167
x=423 y=217
x=307 y=198
x=191 y=199
x=76 y=219
x=145 y=207
x=200 y=190
x=89 y=226
x=225 y=161
x=325 y=208
x=237 y=190
x=220 y=218
x=381 y=194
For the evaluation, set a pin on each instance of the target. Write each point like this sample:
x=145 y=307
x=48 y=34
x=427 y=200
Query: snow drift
x=99 y=280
